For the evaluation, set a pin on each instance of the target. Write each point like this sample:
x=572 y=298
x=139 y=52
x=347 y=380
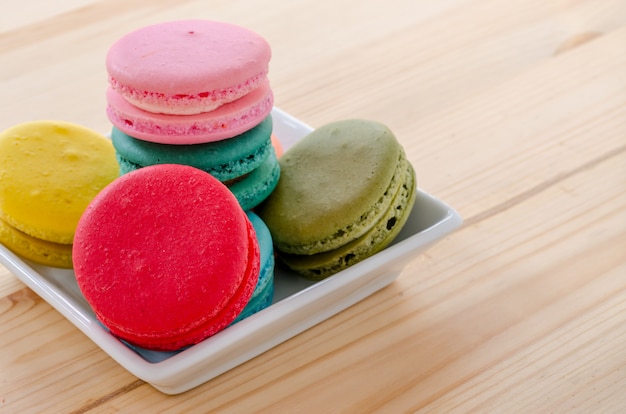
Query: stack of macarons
x=171 y=251
x=49 y=172
x=195 y=92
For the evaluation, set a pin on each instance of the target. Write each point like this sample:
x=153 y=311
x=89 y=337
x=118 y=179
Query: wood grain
x=513 y=112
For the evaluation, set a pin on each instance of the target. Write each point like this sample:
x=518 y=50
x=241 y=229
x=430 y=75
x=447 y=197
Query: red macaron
x=166 y=257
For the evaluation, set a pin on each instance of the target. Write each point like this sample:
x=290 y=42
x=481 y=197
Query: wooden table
x=513 y=112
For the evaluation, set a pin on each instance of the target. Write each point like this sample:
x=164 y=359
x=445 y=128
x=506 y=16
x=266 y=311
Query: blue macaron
x=246 y=163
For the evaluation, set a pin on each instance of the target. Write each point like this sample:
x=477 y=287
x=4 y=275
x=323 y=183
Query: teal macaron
x=246 y=163
x=264 y=292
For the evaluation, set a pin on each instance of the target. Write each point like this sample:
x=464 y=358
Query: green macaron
x=345 y=191
x=246 y=163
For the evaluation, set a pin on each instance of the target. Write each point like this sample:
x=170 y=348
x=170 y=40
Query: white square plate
x=298 y=304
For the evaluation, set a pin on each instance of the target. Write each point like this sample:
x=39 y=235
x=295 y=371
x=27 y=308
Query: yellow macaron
x=49 y=172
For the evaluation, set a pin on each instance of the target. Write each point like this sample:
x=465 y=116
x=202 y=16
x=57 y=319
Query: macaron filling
x=186 y=104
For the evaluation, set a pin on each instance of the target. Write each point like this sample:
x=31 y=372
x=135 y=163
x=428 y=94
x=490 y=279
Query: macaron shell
x=225 y=160
x=37 y=250
x=322 y=265
x=49 y=172
x=153 y=275
x=252 y=189
x=227 y=121
x=187 y=66
x=264 y=291
x=258 y=302
x=334 y=184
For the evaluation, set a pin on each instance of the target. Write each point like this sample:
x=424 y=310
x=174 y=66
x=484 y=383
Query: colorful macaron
x=245 y=163
x=49 y=172
x=345 y=192
x=264 y=292
x=188 y=81
x=166 y=257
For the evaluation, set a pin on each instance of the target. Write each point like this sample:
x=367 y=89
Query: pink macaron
x=187 y=67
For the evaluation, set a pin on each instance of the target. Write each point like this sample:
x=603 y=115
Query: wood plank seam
x=521 y=197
